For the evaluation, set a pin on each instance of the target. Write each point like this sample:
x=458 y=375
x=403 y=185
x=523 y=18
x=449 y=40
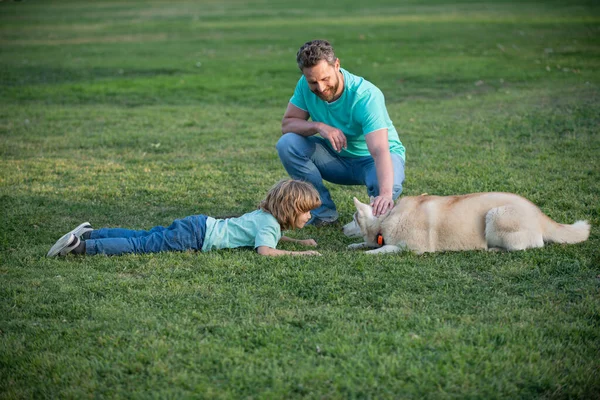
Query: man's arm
x=296 y=120
x=377 y=143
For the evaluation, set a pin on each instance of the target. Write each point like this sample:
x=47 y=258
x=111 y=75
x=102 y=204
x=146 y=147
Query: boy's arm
x=269 y=251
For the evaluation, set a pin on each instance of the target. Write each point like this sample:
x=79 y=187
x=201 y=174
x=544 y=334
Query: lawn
x=139 y=112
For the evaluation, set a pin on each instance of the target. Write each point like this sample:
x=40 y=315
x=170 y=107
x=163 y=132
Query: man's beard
x=331 y=91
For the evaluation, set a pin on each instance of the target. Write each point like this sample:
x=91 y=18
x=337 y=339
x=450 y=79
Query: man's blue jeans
x=312 y=160
x=183 y=234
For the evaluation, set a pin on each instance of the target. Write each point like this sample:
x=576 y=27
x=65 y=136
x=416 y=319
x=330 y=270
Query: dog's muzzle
x=351 y=229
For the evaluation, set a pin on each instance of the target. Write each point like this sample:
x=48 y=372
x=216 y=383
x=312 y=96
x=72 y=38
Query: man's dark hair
x=314 y=51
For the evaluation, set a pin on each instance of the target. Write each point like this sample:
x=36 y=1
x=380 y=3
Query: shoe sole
x=64 y=240
x=59 y=245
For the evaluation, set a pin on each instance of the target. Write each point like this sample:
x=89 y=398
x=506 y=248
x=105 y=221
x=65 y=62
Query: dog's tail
x=563 y=233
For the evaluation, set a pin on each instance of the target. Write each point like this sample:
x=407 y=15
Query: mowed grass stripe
x=281 y=22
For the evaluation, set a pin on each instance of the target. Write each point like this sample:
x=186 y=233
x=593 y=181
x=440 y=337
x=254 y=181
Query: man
x=357 y=142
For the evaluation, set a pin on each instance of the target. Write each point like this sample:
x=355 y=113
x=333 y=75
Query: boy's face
x=302 y=219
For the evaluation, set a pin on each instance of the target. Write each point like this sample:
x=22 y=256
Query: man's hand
x=382 y=204
x=335 y=136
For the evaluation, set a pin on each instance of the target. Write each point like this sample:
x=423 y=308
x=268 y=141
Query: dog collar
x=379 y=239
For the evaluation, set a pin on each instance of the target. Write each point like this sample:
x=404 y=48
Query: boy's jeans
x=312 y=160
x=183 y=234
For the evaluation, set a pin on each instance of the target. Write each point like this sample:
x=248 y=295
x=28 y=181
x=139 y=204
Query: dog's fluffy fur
x=478 y=221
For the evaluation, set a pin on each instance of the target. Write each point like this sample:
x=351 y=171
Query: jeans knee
x=285 y=142
x=290 y=145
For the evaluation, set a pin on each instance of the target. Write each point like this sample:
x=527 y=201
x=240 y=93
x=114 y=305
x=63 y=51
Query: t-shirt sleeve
x=298 y=97
x=371 y=111
x=268 y=235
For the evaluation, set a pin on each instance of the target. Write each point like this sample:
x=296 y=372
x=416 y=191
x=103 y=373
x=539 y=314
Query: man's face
x=324 y=80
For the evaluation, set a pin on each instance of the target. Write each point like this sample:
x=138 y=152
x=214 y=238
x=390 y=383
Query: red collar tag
x=379 y=239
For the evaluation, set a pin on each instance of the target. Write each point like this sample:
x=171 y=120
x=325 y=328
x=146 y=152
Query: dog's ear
x=371 y=199
x=360 y=207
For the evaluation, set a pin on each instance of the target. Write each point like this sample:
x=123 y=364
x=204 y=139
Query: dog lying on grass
x=478 y=221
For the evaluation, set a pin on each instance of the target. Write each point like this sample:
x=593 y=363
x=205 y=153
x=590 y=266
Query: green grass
x=136 y=113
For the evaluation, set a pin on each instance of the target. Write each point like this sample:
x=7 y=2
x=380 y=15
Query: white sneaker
x=64 y=245
x=81 y=229
x=77 y=232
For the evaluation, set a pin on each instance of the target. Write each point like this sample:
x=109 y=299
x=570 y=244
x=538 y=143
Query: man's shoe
x=66 y=244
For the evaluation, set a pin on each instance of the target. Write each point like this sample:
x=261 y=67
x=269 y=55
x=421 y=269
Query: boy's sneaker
x=77 y=232
x=81 y=229
x=64 y=245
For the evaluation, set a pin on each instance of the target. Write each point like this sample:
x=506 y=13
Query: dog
x=477 y=221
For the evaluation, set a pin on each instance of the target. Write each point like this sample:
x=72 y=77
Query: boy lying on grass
x=286 y=206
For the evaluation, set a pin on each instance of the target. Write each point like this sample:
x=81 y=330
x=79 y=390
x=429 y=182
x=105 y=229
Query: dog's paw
x=357 y=246
x=385 y=249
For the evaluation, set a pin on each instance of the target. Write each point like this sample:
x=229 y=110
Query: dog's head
x=364 y=224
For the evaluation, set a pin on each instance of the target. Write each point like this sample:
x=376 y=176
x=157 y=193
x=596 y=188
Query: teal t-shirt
x=256 y=228
x=359 y=111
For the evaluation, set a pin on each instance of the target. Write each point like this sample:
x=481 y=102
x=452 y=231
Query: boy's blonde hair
x=288 y=199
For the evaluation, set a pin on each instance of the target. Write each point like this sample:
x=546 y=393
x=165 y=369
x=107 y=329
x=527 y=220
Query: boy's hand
x=310 y=253
x=308 y=242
